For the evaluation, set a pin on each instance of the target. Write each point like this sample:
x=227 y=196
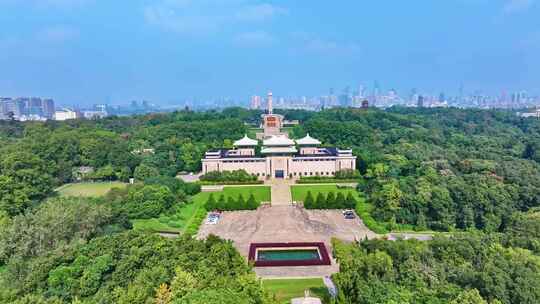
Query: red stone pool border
x=324 y=257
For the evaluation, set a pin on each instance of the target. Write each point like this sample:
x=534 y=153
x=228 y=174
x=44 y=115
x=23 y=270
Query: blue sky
x=89 y=51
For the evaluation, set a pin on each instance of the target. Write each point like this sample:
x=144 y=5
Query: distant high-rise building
x=442 y=98
x=343 y=100
x=270 y=103
x=420 y=102
x=361 y=91
x=48 y=108
x=3 y=107
x=255 y=102
x=100 y=107
x=376 y=89
x=17 y=107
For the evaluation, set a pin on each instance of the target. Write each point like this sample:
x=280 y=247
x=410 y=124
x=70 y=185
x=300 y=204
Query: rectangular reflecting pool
x=288 y=254
x=291 y=255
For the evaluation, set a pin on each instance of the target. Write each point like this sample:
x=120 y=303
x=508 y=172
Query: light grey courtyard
x=284 y=222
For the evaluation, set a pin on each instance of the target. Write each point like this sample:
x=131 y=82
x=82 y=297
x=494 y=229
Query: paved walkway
x=281 y=191
x=332 y=289
x=394 y=236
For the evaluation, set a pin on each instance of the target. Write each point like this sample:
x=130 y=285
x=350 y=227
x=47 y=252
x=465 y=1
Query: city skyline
x=168 y=51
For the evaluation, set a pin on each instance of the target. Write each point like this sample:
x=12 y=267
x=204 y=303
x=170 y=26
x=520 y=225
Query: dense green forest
x=475 y=173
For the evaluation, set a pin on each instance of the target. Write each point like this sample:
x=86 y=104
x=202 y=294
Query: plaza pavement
x=284 y=222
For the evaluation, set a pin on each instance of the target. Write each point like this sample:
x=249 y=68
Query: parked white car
x=213 y=218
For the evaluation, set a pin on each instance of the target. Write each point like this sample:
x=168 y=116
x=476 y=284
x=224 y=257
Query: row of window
x=245 y=161
x=314 y=159
x=313 y=173
x=263 y=160
x=300 y=174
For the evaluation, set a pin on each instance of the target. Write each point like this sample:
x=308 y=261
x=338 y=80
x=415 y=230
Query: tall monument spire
x=270 y=106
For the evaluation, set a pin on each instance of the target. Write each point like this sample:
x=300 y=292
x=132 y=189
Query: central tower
x=270 y=103
x=271 y=123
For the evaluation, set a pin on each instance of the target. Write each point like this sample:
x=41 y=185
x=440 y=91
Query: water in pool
x=288 y=255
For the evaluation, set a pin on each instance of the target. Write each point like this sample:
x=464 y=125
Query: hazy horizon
x=166 y=51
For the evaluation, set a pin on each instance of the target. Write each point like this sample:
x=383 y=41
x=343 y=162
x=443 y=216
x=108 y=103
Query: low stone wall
x=212 y=188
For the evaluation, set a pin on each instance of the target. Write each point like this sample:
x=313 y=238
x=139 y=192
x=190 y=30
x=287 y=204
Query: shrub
x=309 y=202
x=231 y=204
x=340 y=201
x=192 y=188
x=252 y=204
x=221 y=204
x=143 y=172
x=147 y=201
x=211 y=204
x=193 y=226
x=174 y=224
x=347 y=174
x=320 y=203
x=350 y=201
x=177 y=186
x=241 y=203
x=363 y=212
x=330 y=201
x=228 y=176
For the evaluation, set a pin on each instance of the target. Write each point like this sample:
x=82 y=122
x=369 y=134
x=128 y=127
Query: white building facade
x=280 y=157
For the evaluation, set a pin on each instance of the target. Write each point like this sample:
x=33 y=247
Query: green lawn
x=299 y=192
x=287 y=289
x=189 y=216
x=88 y=189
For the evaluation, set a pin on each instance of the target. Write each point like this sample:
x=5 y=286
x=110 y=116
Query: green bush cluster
x=193 y=226
x=323 y=180
x=237 y=176
x=330 y=201
x=457 y=269
x=347 y=175
x=131 y=267
x=231 y=204
x=364 y=213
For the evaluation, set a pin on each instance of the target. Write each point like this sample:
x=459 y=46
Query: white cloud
x=59 y=4
x=172 y=19
x=515 y=6
x=259 y=12
x=206 y=16
x=315 y=44
x=254 y=39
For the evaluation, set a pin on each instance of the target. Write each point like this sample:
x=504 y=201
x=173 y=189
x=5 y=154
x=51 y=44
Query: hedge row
x=230 y=204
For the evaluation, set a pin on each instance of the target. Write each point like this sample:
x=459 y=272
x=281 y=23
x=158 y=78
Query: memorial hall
x=275 y=155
